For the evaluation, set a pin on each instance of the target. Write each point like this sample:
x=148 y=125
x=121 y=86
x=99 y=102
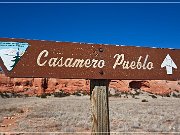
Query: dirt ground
x=72 y=114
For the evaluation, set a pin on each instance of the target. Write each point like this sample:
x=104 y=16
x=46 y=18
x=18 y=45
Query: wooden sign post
x=96 y=62
x=100 y=106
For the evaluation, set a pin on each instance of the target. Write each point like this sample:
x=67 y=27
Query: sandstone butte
x=36 y=86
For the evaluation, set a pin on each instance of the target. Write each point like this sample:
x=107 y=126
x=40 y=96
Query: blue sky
x=150 y=25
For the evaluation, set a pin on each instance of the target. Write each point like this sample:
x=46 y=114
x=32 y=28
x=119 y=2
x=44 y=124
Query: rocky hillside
x=37 y=86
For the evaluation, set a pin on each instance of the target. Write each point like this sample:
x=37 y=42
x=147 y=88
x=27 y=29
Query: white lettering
x=39 y=58
x=78 y=63
x=133 y=65
x=87 y=63
x=95 y=63
x=52 y=62
x=67 y=62
x=120 y=61
x=144 y=64
x=139 y=64
x=101 y=64
x=125 y=65
x=60 y=62
x=117 y=63
x=150 y=66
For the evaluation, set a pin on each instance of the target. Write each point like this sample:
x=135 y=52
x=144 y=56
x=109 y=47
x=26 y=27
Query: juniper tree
x=16 y=59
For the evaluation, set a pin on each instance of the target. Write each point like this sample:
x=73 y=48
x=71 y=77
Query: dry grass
x=72 y=114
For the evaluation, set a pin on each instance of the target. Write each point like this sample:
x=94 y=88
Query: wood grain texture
x=100 y=107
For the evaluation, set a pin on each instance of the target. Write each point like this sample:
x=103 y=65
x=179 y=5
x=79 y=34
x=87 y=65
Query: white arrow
x=169 y=64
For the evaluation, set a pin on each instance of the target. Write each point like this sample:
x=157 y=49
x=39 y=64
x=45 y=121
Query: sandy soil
x=72 y=115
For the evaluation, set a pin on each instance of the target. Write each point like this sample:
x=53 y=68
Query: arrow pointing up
x=169 y=64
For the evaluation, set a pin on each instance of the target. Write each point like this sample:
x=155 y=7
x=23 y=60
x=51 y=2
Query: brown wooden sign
x=33 y=58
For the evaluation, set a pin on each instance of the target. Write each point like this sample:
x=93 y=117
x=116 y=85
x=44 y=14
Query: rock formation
x=37 y=86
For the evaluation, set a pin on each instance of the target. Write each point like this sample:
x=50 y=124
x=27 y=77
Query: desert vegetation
x=72 y=113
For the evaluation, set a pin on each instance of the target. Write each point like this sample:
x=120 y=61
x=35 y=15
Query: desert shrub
x=15 y=95
x=117 y=95
x=6 y=95
x=10 y=95
x=48 y=94
x=135 y=92
x=125 y=92
x=167 y=95
x=1 y=94
x=144 y=100
x=12 y=109
x=176 y=94
x=38 y=96
x=43 y=95
x=78 y=93
x=26 y=95
x=84 y=92
x=133 y=96
x=60 y=94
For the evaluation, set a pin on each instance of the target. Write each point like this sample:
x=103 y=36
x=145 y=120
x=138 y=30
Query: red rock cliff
x=33 y=86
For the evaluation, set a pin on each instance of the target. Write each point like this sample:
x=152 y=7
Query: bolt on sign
x=35 y=58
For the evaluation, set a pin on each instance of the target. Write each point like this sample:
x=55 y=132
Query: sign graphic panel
x=11 y=52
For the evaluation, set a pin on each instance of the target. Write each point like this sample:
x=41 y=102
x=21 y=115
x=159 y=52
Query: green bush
x=60 y=94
